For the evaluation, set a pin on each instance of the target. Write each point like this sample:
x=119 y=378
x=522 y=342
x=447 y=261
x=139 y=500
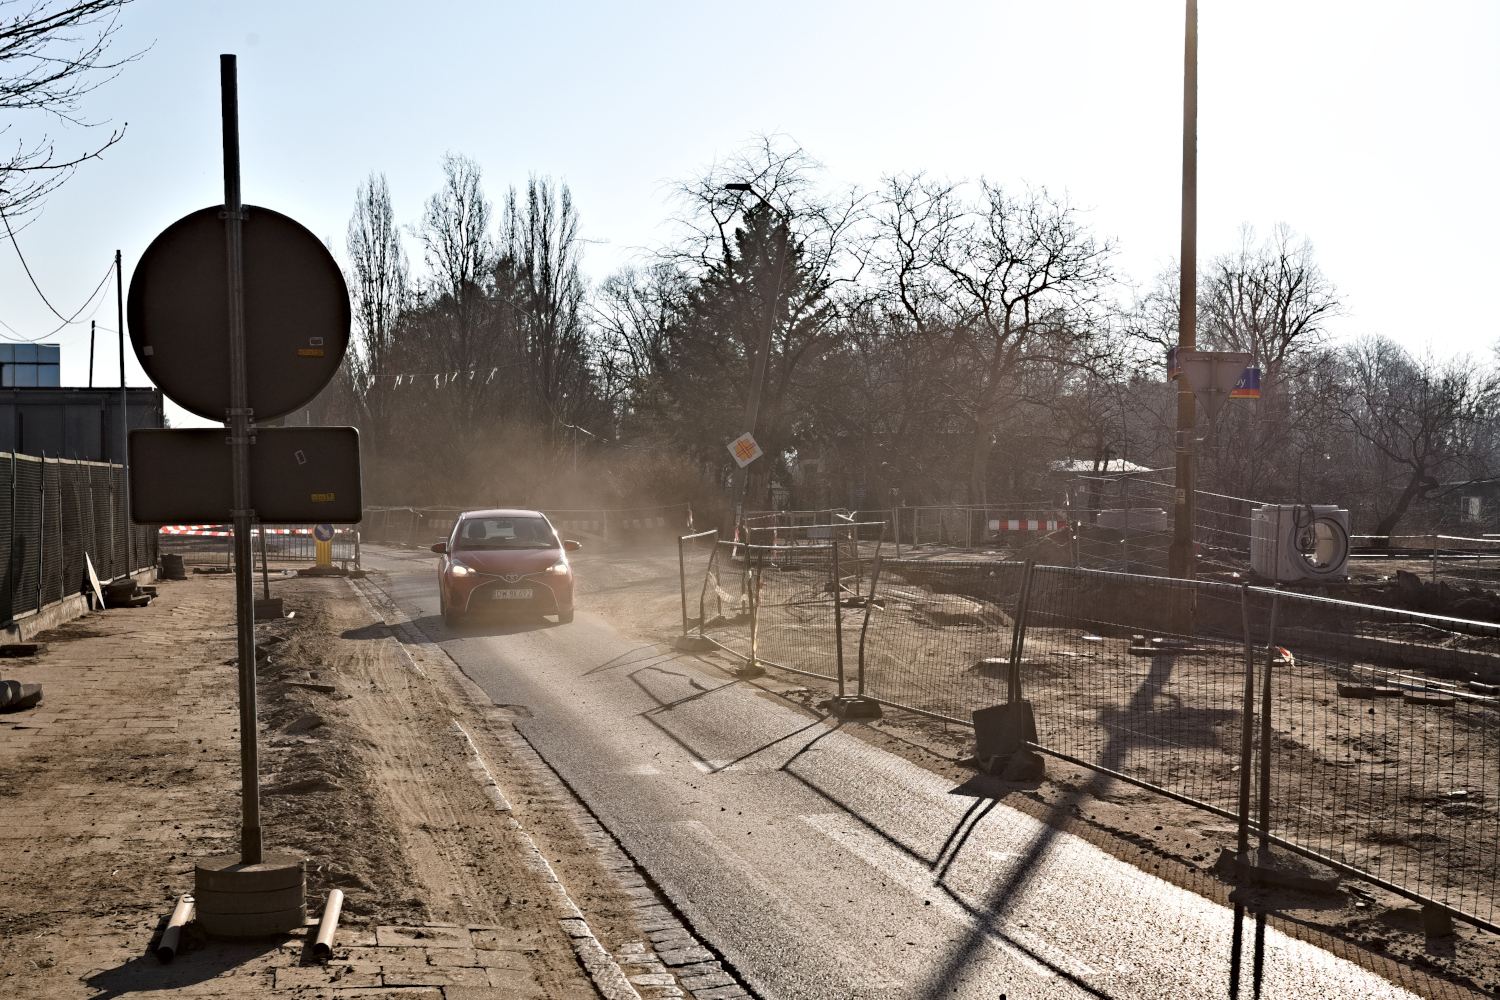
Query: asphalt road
x=824 y=868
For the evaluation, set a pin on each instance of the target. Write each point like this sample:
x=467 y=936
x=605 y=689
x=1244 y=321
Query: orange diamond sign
x=744 y=449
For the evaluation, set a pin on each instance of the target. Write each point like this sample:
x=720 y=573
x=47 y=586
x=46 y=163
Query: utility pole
x=91 y=353
x=1183 y=556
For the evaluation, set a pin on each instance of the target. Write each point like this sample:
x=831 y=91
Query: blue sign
x=1248 y=387
x=323 y=532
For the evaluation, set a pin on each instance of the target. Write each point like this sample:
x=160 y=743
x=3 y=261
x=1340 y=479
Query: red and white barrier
x=1027 y=525
x=223 y=530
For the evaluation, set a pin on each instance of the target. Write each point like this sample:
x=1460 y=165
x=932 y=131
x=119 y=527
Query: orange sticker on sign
x=310 y=352
x=322 y=498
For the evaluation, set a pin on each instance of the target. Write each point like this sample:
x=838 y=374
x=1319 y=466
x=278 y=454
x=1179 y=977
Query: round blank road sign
x=296 y=313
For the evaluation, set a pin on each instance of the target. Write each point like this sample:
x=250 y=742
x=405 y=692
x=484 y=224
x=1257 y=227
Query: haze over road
x=822 y=867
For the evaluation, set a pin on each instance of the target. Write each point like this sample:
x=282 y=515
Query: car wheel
x=451 y=616
x=564 y=617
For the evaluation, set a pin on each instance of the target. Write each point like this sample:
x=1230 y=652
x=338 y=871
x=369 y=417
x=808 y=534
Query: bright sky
x=1372 y=127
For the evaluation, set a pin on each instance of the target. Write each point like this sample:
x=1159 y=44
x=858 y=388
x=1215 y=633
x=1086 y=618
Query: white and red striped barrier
x=223 y=530
x=1027 y=525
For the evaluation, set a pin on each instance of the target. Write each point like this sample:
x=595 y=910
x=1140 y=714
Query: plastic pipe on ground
x=323 y=945
x=170 y=938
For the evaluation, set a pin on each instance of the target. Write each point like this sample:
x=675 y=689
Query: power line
x=66 y=320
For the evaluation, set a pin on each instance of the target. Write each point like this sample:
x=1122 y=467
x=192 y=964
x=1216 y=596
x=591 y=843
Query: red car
x=505 y=560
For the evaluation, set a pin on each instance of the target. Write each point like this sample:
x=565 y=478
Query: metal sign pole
x=240 y=428
x=124 y=406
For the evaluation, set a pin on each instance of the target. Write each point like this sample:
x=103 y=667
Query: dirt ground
x=1394 y=763
x=128 y=772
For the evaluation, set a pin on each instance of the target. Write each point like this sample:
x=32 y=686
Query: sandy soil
x=129 y=771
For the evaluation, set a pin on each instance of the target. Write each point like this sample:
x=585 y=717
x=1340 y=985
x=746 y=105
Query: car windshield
x=505 y=533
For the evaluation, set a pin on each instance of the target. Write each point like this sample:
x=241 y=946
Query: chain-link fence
x=58 y=516
x=1363 y=737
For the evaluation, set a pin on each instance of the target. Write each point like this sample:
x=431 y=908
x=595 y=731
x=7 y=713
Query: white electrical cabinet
x=1292 y=542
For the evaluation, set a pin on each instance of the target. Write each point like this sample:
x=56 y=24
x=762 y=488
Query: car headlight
x=559 y=567
x=459 y=569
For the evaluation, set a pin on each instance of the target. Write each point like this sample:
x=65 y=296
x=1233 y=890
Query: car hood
x=498 y=562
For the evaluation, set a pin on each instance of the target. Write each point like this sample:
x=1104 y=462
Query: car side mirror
x=571 y=546
x=441 y=548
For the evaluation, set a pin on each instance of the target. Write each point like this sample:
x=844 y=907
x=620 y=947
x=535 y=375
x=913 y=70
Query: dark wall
x=81 y=424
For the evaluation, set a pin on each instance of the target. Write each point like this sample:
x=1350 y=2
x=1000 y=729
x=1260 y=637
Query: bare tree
x=1002 y=283
x=379 y=283
x=380 y=277
x=460 y=252
x=540 y=298
x=1270 y=300
x=637 y=310
x=51 y=56
x=1430 y=420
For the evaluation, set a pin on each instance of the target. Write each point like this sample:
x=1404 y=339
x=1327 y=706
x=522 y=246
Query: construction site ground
x=470 y=873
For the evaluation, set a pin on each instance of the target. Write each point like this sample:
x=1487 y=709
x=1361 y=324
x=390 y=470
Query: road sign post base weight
x=239 y=900
x=854 y=708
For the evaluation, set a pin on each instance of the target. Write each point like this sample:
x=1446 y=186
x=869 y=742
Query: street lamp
x=758 y=372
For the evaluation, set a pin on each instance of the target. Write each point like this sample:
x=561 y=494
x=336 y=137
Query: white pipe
x=173 y=934
x=323 y=946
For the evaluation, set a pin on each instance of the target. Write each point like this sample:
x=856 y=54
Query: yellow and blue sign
x=323 y=536
x=1248 y=387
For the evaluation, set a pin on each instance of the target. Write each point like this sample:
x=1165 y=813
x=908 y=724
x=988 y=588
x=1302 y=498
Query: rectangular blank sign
x=297 y=475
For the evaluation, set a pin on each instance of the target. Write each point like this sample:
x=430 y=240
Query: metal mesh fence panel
x=1125 y=523
x=26 y=508
x=938 y=634
x=50 y=536
x=693 y=555
x=119 y=538
x=72 y=501
x=1377 y=760
x=53 y=514
x=792 y=588
x=105 y=527
x=725 y=597
x=1139 y=675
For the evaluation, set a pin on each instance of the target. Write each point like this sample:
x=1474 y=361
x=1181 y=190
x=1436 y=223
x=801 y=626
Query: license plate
x=510 y=595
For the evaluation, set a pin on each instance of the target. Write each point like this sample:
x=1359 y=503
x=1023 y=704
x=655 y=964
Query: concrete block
x=1001 y=730
x=225 y=873
x=1436 y=922
x=855 y=708
x=251 y=925
x=1024 y=765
